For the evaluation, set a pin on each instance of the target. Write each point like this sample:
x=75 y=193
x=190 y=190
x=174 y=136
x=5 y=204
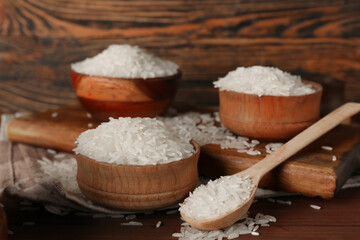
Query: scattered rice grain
x=54 y=114
x=132 y=223
x=51 y=151
x=327 y=148
x=315 y=207
x=177 y=235
x=172 y=212
x=283 y=202
x=60 y=155
x=158 y=224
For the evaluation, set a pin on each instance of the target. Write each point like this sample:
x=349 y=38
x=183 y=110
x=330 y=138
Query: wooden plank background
x=40 y=38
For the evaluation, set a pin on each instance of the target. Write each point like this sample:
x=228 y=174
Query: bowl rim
x=105 y=164
x=177 y=75
x=315 y=85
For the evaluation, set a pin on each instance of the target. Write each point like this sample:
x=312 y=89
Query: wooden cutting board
x=311 y=172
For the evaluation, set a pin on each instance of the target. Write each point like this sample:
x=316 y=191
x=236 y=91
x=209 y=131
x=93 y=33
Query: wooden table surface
x=339 y=218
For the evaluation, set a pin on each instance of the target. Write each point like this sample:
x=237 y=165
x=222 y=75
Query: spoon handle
x=301 y=140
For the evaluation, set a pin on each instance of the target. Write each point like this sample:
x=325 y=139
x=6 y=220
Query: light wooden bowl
x=3 y=225
x=106 y=97
x=132 y=187
x=269 y=117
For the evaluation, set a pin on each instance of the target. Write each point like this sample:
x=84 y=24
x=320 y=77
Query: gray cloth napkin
x=20 y=173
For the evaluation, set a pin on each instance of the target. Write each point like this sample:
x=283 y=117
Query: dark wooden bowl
x=106 y=97
x=133 y=187
x=269 y=117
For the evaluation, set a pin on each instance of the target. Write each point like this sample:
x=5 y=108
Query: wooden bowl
x=106 y=97
x=269 y=117
x=133 y=187
x=3 y=225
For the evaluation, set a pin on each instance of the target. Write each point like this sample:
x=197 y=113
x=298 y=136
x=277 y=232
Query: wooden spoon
x=258 y=170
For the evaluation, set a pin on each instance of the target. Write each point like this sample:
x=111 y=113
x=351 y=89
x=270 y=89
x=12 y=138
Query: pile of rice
x=133 y=141
x=262 y=80
x=206 y=128
x=217 y=197
x=125 y=61
x=61 y=170
x=247 y=225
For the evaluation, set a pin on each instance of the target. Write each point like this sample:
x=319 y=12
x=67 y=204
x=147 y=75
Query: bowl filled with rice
x=135 y=164
x=125 y=81
x=267 y=103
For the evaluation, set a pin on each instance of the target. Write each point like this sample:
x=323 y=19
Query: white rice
x=315 y=207
x=63 y=171
x=327 y=148
x=217 y=197
x=125 y=61
x=133 y=141
x=51 y=151
x=158 y=224
x=60 y=155
x=271 y=147
x=206 y=128
x=246 y=225
x=172 y=212
x=54 y=114
x=334 y=158
x=262 y=80
x=132 y=223
x=283 y=202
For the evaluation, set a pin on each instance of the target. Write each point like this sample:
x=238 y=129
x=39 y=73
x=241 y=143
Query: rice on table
x=125 y=61
x=133 y=141
x=217 y=197
x=262 y=80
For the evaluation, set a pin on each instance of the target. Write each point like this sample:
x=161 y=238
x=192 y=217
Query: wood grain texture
x=40 y=38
